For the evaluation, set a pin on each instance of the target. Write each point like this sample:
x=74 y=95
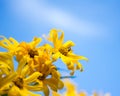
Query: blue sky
x=94 y=26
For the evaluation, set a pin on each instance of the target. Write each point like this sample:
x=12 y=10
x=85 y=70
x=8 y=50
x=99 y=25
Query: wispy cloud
x=39 y=10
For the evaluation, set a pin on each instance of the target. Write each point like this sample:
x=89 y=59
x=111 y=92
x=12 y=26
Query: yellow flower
x=24 y=81
x=64 y=51
x=20 y=82
x=50 y=76
x=29 y=50
x=22 y=86
x=21 y=49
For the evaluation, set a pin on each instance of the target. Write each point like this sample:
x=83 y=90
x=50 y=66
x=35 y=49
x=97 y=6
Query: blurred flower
x=72 y=91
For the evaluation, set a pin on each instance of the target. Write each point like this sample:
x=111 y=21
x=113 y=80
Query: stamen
x=19 y=82
x=32 y=53
x=41 y=77
x=64 y=51
x=69 y=49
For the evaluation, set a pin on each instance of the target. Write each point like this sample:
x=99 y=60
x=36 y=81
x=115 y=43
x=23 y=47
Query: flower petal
x=55 y=93
x=68 y=44
x=45 y=90
x=7 y=79
x=32 y=77
x=21 y=64
x=55 y=56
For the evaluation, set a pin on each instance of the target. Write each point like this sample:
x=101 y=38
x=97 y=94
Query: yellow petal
x=33 y=77
x=5 y=88
x=52 y=82
x=5 y=43
x=26 y=92
x=55 y=74
x=56 y=56
x=71 y=89
x=15 y=42
x=73 y=56
x=82 y=94
x=6 y=58
x=61 y=38
x=54 y=36
x=60 y=84
x=79 y=66
x=46 y=90
x=68 y=44
x=69 y=63
x=25 y=71
x=7 y=79
x=35 y=42
x=65 y=59
x=55 y=93
x=70 y=66
x=83 y=58
x=5 y=69
x=10 y=44
x=14 y=91
x=21 y=64
x=37 y=87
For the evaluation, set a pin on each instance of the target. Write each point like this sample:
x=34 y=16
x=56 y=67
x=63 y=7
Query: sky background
x=94 y=26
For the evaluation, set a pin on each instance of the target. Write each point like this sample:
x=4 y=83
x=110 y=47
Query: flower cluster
x=36 y=70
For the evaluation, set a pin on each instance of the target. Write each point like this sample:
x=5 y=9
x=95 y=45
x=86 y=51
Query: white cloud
x=39 y=10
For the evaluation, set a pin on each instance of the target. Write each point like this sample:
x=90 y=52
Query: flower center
x=41 y=77
x=32 y=53
x=19 y=82
x=64 y=50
